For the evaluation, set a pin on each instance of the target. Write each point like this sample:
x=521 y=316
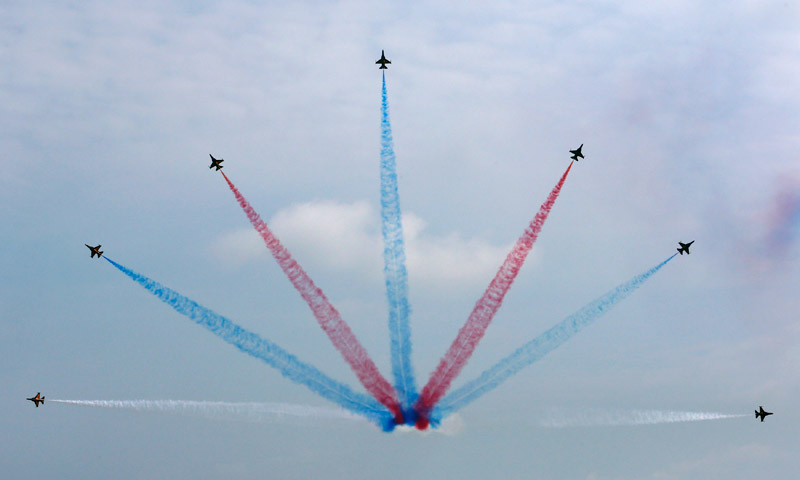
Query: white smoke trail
x=253 y=411
x=598 y=418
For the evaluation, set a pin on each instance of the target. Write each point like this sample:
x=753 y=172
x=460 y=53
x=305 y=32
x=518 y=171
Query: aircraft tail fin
x=756 y=413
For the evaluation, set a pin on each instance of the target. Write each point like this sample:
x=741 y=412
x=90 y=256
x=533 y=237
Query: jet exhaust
x=541 y=345
x=245 y=411
x=613 y=418
x=268 y=352
x=327 y=316
x=473 y=330
x=394 y=258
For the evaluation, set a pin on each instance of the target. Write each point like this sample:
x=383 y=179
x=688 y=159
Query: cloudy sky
x=689 y=114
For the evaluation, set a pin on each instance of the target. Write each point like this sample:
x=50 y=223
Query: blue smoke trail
x=540 y=346
x=271 y=354
x=394 y=268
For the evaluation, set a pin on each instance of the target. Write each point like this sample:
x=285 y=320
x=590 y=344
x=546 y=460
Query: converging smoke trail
x=600 y=418
x=394 y=258
x=270 y=353
x=248 y=411
x=327 y=316
x=471 y=333
x=541 y=345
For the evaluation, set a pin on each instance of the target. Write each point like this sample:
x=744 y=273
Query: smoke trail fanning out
x=394 y=259
x=328 y=317
x=287 y=364
x=251 y=411
x=541 y=345
x=471 y=333
x=600 y=418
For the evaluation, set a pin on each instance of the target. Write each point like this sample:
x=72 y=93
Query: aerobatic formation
x=399 y=401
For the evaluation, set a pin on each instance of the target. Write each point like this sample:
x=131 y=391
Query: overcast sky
x=689 y=116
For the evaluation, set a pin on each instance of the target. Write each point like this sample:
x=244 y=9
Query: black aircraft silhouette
x=95 y=251
x=762 y=413
x=215 y=162
x=576 y=153
x=684 y=247
x=382 y=61
x=37 y=399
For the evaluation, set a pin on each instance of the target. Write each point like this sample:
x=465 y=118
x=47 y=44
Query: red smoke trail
x=471 y=333
x=329 y=319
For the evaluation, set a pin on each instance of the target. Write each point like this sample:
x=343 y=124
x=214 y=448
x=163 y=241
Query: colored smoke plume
x=327 y=316
x=473 y=330
x=394 y=269
x=542 y=345
x=270 y=353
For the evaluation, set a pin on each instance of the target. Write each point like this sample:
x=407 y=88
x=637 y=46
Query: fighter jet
x=760 y=413
x=37 y=399
x=95 y=251
x=684 y=247
x=576 y=153
x=382 y=61
x=215 y=162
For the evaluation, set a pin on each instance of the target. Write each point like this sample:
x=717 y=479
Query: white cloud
x=342 y=237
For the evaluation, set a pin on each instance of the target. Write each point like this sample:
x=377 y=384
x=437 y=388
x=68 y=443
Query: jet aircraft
x=763 y=414
x=216 y=162
x=95 y=251
x=382 y=61
x=576 y=153
x=684 y=247
x=37 y=399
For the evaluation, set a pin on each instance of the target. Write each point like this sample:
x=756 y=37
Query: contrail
x=394 y=258
x=248 y=411
x=327 y=316
x=473 y=330
x=541 y=345
x=270 y=353
x=610 y=418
